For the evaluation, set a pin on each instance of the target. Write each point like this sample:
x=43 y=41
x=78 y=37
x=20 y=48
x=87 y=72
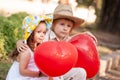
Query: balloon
x=55 y=58
x=87 y=54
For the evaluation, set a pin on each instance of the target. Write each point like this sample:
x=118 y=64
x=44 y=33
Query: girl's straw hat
x=65 y=11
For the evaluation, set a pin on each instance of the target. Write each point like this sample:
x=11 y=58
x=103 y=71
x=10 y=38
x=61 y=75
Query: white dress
x=14 y=73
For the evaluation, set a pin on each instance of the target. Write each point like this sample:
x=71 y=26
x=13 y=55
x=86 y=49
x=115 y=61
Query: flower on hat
x=30 y=23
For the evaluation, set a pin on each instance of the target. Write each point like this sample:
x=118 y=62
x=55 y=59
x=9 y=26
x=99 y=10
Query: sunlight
x=88 y=14
x=37 y=7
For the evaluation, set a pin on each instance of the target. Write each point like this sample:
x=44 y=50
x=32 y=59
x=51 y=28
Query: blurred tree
x=110 y=16
x=86 y=3
x=64 y=1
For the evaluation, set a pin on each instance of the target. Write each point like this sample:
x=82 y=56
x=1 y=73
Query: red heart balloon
x=87 y=54
x=55 y=58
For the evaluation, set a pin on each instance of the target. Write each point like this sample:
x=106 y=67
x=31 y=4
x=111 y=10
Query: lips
x=64 y=33
x=40 y=39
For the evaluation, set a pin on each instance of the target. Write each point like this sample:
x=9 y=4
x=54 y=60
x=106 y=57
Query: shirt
x=50 y=35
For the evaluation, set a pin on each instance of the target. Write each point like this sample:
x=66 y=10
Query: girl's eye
x=44 y=32
x=38 y=31
x=41 y=32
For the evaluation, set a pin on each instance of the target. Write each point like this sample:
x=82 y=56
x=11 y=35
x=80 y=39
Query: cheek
x=35 y=37
x=57 y=29
x=70 y=29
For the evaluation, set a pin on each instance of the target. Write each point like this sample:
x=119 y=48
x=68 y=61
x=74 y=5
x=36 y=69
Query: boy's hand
x=92 y=36
x=50 y=78
x=21 y=46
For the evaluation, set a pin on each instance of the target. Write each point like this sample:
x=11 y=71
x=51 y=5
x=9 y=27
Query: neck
x=36 y=44
x=61 y=39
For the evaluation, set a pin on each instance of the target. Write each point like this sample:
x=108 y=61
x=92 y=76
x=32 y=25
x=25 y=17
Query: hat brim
x=78 y=21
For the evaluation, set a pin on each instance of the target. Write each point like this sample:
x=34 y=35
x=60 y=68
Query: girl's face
x=39 y=32
x=62 y=28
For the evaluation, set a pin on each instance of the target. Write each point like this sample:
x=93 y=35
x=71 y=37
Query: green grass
x=4 y=67
x=10 y=32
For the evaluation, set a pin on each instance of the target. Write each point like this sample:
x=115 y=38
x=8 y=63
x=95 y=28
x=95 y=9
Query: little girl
x=23 y=67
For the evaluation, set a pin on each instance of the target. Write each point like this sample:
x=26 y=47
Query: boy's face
x=62 y=28
x=39 y=32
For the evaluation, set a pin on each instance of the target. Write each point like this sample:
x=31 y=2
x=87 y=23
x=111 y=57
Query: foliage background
x=10 y=32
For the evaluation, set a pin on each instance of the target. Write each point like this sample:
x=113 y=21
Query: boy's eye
x=68 y=25
x=62 y=23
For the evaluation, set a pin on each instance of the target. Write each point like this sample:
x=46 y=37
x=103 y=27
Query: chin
x=39 y=42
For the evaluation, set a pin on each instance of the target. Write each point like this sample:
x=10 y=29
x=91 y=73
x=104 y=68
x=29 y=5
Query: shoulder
x=25 y=53
x=50 y=35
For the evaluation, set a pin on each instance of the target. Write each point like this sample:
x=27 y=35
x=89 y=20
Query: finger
x=19 y=49
x=25 y=46
x=25 y=50
x=22 y=48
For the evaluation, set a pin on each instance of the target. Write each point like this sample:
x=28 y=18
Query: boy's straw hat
x=65 y=11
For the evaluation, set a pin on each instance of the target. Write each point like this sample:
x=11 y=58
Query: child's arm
x=21 y=46
x=87 y=33
x=23 y=65
x=92 y=36
x=50 y=78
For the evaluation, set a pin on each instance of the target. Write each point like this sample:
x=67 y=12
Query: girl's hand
x=50 y=78
x=21 y=46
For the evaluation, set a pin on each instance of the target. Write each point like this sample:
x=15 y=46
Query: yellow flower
x=32 y=27
x=26 y=35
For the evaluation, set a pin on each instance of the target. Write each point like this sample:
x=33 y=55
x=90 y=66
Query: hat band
x=64 y=12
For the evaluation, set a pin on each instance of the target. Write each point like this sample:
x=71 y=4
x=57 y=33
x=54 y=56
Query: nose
x=42 y=35
x=65 y=27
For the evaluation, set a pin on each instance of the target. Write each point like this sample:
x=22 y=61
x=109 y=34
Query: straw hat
x=65 y=11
